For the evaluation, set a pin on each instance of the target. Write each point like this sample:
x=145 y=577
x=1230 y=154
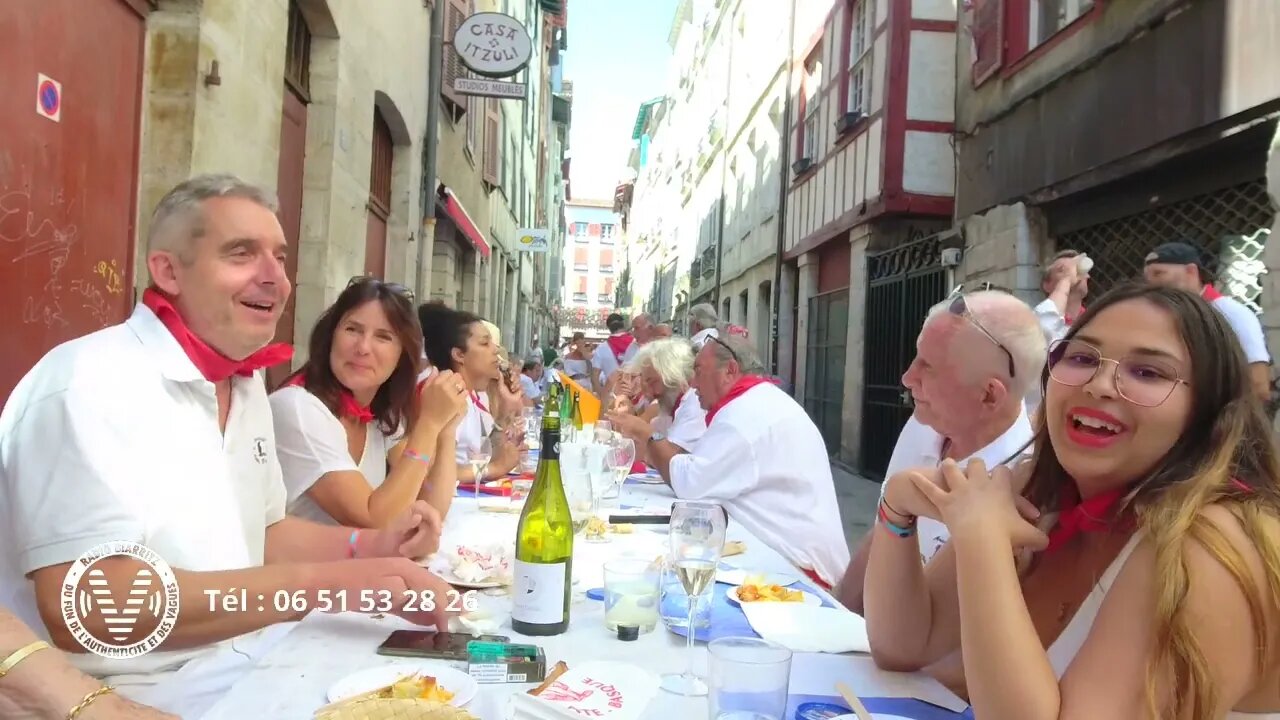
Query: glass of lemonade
x=631 y=594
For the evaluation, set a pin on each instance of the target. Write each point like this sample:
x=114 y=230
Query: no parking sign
x=48 y=97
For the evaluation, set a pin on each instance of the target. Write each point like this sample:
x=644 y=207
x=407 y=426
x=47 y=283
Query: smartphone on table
x=433 y=645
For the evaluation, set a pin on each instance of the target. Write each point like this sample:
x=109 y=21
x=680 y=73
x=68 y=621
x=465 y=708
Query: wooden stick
x=854 y=702
x=557 y=670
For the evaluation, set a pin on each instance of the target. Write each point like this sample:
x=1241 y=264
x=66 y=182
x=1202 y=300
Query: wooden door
x=70 y=101
x=293 y=143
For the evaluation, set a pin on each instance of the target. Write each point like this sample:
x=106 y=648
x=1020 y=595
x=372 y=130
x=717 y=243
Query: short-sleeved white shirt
x=474 y=428
x=114 y=436
x=687 y=425
x=920 y=446
x=1248 y=328
x=311 y=442
x=765 y=461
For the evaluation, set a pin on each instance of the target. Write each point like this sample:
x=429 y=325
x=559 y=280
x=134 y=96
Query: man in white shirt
x=665 y=368
x=1065 y=285
x=703 y=322
x=613 y=352
x=976 y=355
x=762 y=458
x=1179 y=264
x=158 y=431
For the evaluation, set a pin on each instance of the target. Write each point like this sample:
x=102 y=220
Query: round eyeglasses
x=1141 y=379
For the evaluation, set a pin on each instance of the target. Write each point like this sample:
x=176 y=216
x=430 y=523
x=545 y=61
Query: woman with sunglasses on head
x=1130 y=568
x=356 y=444
x=464 y=343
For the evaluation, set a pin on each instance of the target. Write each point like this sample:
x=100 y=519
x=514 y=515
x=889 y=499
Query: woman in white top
x=340 y=420
x=463 y=343
x=1149 y=586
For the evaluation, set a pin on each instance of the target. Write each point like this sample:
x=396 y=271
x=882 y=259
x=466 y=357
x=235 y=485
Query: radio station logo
x=122 y=618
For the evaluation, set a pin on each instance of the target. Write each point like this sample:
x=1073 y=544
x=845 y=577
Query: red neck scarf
x=1072 y=318
x=475 y=400
x=676 y=408
x=619 y=344
x=1077 y=516
x=213 y=365
x=744 y=383
x=1210 y=293
x=346 y=401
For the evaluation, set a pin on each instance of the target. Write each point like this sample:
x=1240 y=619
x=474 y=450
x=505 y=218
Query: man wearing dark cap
x=1179 y=265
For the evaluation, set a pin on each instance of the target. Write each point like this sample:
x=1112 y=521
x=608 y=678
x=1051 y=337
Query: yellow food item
x=622 y=529
x=768 y=593
x=595 y=527
x=416 y=687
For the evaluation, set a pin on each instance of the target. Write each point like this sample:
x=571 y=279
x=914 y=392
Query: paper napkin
x=618 y=691
x=807 y=628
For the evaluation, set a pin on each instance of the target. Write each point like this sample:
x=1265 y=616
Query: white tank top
x=1064 y=649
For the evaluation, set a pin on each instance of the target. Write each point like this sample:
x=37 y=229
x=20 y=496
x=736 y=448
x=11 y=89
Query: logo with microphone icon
x=120 y=600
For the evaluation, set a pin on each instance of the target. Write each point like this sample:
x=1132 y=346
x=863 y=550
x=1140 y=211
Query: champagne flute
x=479 y=458
x=622 y=456
x=604 y=431
x=697 y=541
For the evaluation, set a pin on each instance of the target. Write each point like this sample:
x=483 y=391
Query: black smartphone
x=434 y=645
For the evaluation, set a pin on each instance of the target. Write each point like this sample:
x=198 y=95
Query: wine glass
x=479 y=457
x=621 y=457
x=697 y=540
x=604 y=431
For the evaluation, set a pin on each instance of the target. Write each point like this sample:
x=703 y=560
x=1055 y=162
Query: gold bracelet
x=19 y=655
x=88 y=700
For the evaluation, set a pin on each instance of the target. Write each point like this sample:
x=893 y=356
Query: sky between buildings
x=617 y=58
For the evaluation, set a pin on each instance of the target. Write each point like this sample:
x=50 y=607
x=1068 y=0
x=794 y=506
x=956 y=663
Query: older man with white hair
x=976 y=357
x=665 y=369
x=762 y=458
x=703 y=323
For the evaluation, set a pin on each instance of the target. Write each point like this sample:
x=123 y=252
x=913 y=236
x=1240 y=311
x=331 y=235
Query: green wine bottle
x=577 y=410
x=544 y=545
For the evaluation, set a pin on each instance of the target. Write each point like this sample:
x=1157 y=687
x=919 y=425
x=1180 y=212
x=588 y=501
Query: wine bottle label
x=538 y=596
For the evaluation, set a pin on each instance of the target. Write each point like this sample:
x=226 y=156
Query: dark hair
x=444 y=329
x=615 y=322
x=1227 y=455
x=391 y=403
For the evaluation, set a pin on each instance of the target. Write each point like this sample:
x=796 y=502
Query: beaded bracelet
x=351 y=543
x=88 y=700
x=891 y=526
x=417 y=456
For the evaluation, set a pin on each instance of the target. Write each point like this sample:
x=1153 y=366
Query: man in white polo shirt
x=762 y=458
x=158 y=431
x=1180 y=265
x=976 y=356
x=665 y=368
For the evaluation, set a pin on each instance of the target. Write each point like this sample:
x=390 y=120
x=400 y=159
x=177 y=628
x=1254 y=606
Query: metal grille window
x=1231 y=225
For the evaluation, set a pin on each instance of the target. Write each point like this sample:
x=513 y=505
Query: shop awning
x=466 y=226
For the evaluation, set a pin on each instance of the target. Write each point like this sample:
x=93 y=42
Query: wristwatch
x=657 y=436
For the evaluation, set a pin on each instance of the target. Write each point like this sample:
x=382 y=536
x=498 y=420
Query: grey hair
x=704 y=315
x=1014 y=324
x=743 y=353
x=671 y=358
x=178 y=220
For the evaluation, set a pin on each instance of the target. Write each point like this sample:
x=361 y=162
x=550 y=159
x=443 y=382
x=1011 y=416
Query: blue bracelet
x=896 y=529
x=351 y=543
x=416 y=456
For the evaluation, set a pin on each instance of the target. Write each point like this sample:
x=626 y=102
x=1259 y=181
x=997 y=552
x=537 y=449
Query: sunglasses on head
x=395 y=288
x=956 y=305
x=722 y=344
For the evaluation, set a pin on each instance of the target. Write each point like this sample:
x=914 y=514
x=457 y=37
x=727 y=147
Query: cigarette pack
x=527 y=664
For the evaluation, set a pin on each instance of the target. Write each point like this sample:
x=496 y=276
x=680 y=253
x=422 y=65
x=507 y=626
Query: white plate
x=809 y=598
x=874 y=716
x=462 y=685
x=448 y=576
x=737 y=576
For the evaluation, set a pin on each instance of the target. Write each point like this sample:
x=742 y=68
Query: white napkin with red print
x=618 y=691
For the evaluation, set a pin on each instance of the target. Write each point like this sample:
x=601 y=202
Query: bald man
x=976 y=357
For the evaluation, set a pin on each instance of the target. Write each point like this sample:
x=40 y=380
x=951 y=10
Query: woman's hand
x=443 y=400
x=510 y=399
x=974 y=500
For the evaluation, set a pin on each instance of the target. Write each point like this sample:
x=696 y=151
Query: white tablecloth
x=292 y=680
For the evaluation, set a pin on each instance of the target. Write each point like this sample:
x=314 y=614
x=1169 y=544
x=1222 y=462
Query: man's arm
x=660 y=453
x=849 y=592
x=1260 y=378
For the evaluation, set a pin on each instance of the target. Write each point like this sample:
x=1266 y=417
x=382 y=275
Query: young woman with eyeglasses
x=1131 y=568
x=356 y=446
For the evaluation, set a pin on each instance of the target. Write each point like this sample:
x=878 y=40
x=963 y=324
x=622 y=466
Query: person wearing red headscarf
x=157 y=433
x=350 y=412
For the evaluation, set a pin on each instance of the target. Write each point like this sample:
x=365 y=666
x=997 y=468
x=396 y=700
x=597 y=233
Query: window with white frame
x=812 y=83
x=860 y=42
x=1050 y=16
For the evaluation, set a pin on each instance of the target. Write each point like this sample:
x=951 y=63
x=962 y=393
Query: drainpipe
x=430 y=141
x=784 y=172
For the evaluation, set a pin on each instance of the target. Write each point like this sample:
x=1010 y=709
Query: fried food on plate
x=752 y=592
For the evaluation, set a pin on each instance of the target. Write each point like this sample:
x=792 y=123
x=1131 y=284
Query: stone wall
x=855 y=348
x=1004 y=246
x=363 y=55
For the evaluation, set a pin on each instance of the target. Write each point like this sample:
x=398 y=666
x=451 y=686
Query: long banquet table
x=292 y=680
